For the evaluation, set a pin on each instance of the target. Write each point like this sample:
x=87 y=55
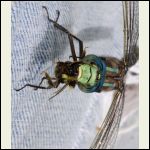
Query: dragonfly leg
x=81 y=51
x=50 y=82
x=72 y=48
x=49 y=79
x=34 y=86
x=44 y=78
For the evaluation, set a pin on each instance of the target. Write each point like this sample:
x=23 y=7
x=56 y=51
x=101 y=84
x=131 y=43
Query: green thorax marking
x=88 y=74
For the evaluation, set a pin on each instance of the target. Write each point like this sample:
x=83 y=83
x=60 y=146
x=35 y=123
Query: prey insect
x=93 y=73
x=90 y=72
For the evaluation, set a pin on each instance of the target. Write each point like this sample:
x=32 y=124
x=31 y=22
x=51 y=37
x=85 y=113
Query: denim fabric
x=70 y=119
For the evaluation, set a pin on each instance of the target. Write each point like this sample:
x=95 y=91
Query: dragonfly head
x=66 y=72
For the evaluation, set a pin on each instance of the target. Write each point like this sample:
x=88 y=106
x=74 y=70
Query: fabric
x=70 y=119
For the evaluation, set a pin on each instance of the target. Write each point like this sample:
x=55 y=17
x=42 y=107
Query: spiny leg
x=44 y=78
x=58 y=14
x=83 y=54
x=59 y=91
x=50 y=84
x=72 y=48
x=49 y=79
x=81 y=51
x=34 y=86
x=55 y=85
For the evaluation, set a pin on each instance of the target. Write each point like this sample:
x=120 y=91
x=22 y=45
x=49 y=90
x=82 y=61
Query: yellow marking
x=80 y=72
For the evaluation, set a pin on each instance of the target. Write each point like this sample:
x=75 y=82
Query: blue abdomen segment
x=89 y=59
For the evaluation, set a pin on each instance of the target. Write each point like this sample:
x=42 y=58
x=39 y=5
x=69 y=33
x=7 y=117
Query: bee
x=90 y=72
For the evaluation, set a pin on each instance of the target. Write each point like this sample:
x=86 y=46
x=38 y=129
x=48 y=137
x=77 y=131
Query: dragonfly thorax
x=88 y=74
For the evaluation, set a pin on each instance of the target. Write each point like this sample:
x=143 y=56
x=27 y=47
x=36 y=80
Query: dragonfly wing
x=107 y=134
x=131 y=31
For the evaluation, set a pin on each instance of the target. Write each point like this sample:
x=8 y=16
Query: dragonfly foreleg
x=34 y=86
x=40 y=83
x=50 y=82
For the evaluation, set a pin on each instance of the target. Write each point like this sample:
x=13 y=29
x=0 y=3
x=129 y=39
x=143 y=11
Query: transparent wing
x=107 y=134
x=131 y=31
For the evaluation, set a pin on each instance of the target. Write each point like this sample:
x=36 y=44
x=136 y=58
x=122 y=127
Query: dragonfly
x=95 y=74
x=107 y=134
